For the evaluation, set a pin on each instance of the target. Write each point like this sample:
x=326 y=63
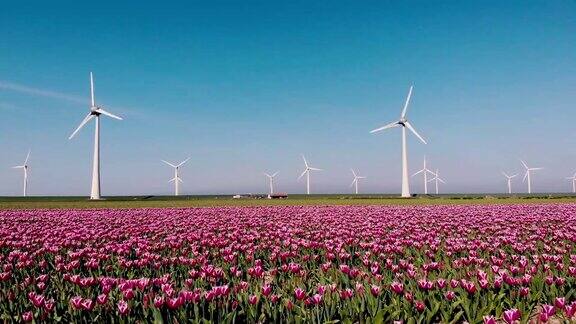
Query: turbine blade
x=504 y=173
x=415 y=132
x=303 y=173
x=524 y=164
x=406 y=103
x=86 y=119
x=361 y=178
x=440 y=179
x=315 y=169
x=534 y=169
x=353 y=182
x=305 y=162
x=170 y=164
x=525 y=175
x=182 y=163
x=104 y=112
x=18 y=167
x=417 y=173
x=92 y=101
x=27 y=157
x=266 y=174
x=391 y=125
x=275 y=174
x=354 y=173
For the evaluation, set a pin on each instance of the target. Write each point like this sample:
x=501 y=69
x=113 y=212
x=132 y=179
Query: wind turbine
x=176 y=178
x=95 y=112
x=403 y=122
x=527 y=175
x=307 y=173
x=271 y=179
x=425 y=171
x=25 y=168
x=509 y=179
x=573 y=178
x=355 y=181
x=436 y=179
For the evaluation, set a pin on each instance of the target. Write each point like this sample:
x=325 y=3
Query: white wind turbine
x=425 y=172
x=307 y=173
x=271 y=180
x=25 y=168
x=527 y=175
x=509 y=179
x=95 y=112
x=355 y=181
x=403 y=122
x=436 y=179
x=176 y=178
x=573 y=178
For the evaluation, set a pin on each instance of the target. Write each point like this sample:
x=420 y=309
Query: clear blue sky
x=247 y=86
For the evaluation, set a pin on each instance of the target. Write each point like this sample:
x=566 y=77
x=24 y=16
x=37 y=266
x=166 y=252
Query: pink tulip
x=397 y=287
x=560 y=302
x=158 y=301
x=266 y=290
x=488 y=319
x=570 y=310
x=299 y=294
x=76 y=302
x=375 y=290
x=123 y=307
x=511 y=315
x=253 y=299
x=27 y=317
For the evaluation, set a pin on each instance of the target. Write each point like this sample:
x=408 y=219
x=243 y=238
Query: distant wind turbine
x=25 y=168
x=176 y=178
x=95 y=112
x=436 y=179
x=425 y=172
x=527 y=175
x=573 y=178
x=509 y=179
x=355 y=181
x=403 y=122
x=307 y=173
x=271 y=180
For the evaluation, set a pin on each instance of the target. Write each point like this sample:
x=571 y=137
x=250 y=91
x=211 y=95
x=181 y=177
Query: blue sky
x=247 y=86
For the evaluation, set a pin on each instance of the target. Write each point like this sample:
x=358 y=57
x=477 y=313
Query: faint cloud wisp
x=6 y=85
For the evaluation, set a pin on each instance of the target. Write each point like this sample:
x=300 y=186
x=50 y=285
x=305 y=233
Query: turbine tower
x=95 y=112
x=271 y=180
x=307 y=173
x=527 y=175
x=425 y=172
x=25 y=168
x=176 y=178
x=355 y=181
x=509 y=179
x=403 y=122
x=436 y=179
x=573 y=178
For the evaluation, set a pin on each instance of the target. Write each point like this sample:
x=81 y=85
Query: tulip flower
x=299 y=294
x=123 y=307
x=511 y=315
x=253 y=299
x=397 y=287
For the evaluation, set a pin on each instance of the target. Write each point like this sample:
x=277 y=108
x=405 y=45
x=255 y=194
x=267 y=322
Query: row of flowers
x=512 y=263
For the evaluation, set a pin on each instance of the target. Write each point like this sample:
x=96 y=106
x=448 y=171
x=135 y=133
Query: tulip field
x=308 y=264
